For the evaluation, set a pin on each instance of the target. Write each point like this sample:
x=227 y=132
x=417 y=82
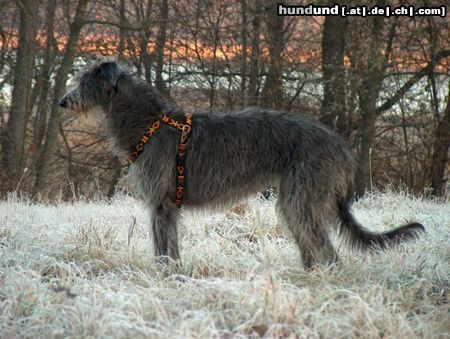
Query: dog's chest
x=150 y=182
x=136 y=180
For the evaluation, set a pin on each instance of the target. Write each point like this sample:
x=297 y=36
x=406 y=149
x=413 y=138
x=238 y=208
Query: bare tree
x=244 y=46
x=371 y=72
x=139 y=41
x=439 y=159
x=272 y=93
x=40 y=120
x=333 y=111
x=47 y=153
x=122 y=30
x=13 y=142
x=160 y=43
x=255 y=53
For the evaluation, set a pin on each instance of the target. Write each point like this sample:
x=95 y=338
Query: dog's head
x=92 y=87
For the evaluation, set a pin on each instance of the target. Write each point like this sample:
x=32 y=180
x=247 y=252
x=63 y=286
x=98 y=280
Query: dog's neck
x=131 y=110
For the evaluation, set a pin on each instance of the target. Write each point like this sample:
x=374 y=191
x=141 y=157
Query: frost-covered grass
x=86 y=270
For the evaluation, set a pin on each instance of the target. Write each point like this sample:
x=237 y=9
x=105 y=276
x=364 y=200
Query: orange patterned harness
x=185 y=128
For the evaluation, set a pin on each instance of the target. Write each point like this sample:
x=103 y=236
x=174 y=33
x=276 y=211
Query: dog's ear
x=110 y=72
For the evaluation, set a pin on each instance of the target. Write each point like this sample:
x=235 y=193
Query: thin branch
x=413 y=80
x=112 y=23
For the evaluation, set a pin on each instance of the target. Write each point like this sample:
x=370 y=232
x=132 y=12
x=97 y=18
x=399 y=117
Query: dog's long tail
x=360 y=238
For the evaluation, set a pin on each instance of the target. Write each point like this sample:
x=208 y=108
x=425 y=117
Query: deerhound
x=230 y=156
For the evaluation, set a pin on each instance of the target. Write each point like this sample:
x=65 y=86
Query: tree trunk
x=49 y=58
x=368 y=94
x=146 y=58
x=47 y=153
x=272 y=93
x=333 y=112
x=160 y=43
x=244 y=33
x=254 y=56
x=115 y=161
x=441 y=148
x=368 y=119
x=14 y=136
x=122 y=38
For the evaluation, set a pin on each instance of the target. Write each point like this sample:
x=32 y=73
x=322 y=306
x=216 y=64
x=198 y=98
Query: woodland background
x=383 y=83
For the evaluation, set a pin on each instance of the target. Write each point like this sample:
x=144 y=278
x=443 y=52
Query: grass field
x=85 y=269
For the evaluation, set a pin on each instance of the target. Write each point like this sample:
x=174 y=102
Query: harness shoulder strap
x=185 y=129
x=181 y=159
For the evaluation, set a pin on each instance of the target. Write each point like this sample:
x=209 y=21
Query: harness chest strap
x=185 y=128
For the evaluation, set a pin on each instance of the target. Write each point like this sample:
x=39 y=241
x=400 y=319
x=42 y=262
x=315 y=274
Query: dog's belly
x=228 y=189
x=223 y=176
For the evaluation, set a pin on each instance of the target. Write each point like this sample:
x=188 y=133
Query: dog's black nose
x=63 y=103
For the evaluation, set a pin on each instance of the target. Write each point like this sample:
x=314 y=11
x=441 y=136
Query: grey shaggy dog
x=230 y=156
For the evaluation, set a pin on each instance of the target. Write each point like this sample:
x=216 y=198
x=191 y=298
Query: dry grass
x=86 y=270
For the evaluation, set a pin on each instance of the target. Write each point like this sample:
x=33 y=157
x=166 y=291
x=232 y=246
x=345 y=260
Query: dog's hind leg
x=316 y=248
x=165 y=235
x=305 y=209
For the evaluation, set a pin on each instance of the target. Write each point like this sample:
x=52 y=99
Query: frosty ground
x=85 y=269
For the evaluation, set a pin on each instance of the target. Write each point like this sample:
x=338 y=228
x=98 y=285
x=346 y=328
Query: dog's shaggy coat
x=230 y=156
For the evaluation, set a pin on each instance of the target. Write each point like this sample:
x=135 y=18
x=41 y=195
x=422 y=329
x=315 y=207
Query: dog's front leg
x=165 y=235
